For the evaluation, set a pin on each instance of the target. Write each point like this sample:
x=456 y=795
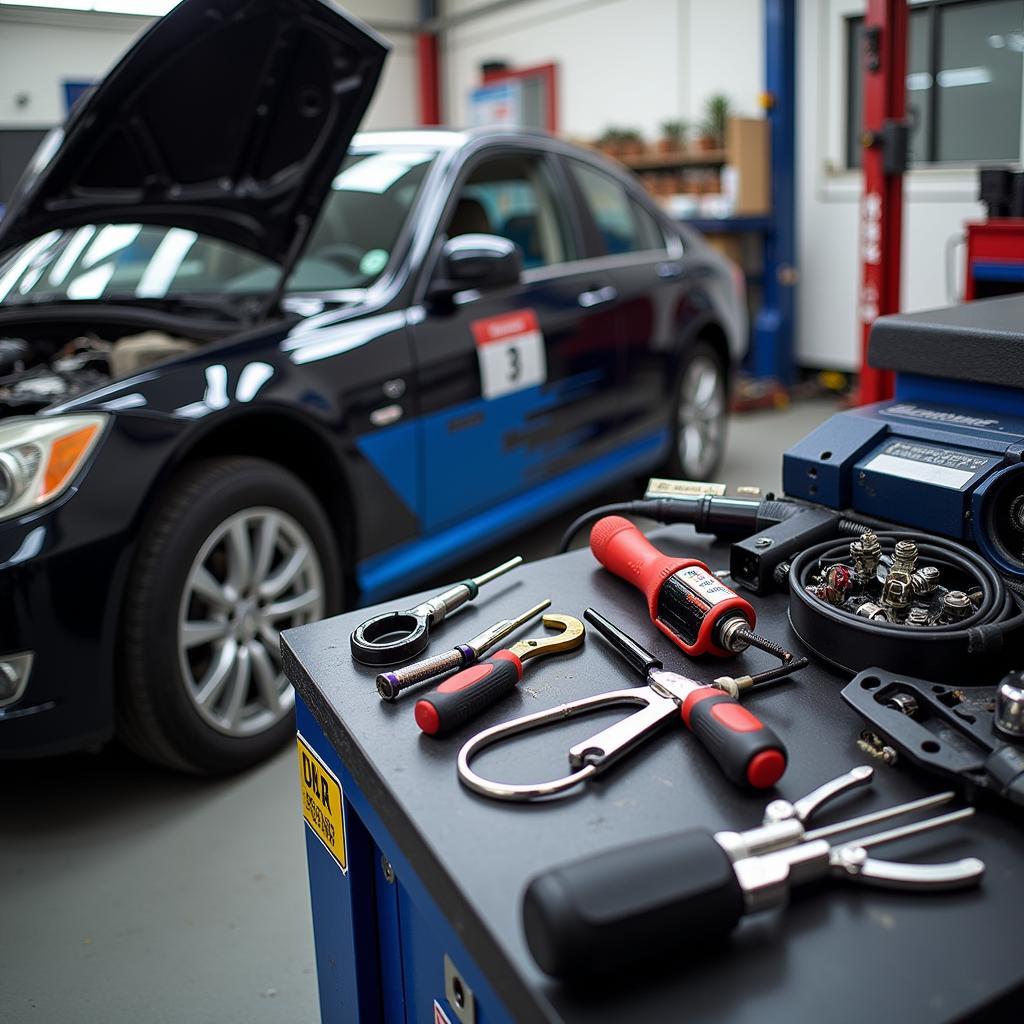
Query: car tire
x=228 y=544
x=700 y=407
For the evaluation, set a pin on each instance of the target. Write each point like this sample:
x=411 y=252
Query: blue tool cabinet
x=425 y=914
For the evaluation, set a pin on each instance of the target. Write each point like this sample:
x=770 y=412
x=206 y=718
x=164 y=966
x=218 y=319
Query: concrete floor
x=130 y=894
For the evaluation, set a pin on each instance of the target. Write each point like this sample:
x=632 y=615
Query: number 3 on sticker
x=510 y=349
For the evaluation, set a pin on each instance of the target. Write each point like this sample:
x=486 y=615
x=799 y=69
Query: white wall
x=40 y=49
x=937 y=202
x=631 y=63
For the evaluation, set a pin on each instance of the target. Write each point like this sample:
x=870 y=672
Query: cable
x=943 y=651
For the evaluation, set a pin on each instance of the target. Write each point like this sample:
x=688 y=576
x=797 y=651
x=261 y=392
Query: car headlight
x=40 y=456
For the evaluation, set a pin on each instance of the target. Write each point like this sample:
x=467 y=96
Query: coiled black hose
x=985 y=639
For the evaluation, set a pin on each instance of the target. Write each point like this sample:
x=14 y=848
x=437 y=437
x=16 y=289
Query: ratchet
x=393 y=637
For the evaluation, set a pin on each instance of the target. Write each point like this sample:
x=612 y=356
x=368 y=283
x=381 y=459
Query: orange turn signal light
x=65 y=455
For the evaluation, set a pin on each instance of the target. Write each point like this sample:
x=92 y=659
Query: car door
x=515 y=383
x=649 y=278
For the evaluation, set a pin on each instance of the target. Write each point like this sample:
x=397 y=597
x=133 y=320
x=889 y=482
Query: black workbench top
x=839 y=952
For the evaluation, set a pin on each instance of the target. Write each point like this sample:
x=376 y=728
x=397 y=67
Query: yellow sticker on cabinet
x=322 y=802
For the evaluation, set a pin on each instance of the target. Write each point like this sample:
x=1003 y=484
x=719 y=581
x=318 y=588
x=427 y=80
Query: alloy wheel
x=701 y=428
x=257 y=573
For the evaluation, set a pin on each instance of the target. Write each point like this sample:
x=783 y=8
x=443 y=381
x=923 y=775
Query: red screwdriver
x=686 y=600
x=464 y=695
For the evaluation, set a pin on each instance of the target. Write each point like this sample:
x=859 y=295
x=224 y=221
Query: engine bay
x=38 y=373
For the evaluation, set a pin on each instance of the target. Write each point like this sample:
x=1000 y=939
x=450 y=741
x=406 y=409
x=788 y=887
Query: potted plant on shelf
x=673 y=137
x=632 y=142
x=610 y=142
x=716 y=117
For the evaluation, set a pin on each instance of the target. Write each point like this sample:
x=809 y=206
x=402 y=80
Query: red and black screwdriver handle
x=606 y=912
x=747 y=751
x=464 y=695
x=622 y=549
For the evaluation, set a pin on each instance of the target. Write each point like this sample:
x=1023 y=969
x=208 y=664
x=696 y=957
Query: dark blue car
x=254 y=367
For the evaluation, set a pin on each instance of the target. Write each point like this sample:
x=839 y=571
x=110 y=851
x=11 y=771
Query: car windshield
x=350 y=247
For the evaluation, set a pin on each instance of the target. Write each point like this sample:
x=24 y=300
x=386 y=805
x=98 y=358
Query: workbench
x=435 y=873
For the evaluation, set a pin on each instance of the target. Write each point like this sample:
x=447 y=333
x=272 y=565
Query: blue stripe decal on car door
x=394 y=571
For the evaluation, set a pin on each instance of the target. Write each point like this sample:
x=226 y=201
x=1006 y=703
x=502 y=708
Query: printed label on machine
x=322 y=805
x=929 y=465
x=510 y=349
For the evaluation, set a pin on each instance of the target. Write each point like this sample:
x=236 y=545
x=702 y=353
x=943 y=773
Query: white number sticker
x=510 y=349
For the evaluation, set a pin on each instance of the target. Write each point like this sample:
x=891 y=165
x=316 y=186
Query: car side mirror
x=476 y=261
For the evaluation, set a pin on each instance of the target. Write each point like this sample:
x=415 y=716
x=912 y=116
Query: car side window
x=623 y=224
x=649 y=230
x=513 y=197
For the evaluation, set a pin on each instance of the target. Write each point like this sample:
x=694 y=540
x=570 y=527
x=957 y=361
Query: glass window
x=513 y=197
x=612 y=209
x=649 y=231
x=350 y=247
x=965 y=69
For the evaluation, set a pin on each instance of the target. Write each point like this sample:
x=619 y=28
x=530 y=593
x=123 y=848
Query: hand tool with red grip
x=604 y=913
x=464 y=695
x=391 y=684
x=686 y=601
x=747 y=751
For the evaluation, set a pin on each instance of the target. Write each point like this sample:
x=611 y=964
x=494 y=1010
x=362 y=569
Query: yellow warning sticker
x=322 y=802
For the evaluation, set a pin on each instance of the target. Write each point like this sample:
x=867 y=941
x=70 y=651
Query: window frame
x=566 y=219
x=633 y=204
x=850 y=131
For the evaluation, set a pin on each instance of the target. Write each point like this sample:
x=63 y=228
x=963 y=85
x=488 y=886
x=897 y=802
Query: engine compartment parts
x=609 y=911
x=964 y=734
x=136 y=352
x=464 y=695
x=14 y=355
x=391 y=684
x=918 y=604
x=34 y=375
x=394 y=637
x=747 y=751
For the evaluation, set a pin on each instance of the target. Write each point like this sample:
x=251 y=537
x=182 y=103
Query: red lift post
x=884 y=161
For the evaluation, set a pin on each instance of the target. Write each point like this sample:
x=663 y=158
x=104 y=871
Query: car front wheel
x=236 y=551
x=699 y=415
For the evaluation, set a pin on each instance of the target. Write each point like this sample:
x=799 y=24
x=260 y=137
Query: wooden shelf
x=668 y=161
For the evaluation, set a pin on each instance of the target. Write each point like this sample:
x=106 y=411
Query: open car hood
x=227 y=117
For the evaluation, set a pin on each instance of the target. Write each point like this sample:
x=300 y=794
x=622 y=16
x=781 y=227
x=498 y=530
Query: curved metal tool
x=587 y=758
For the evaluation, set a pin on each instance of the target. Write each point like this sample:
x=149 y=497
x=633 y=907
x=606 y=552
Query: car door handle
x=597 y=297
x=670 y=270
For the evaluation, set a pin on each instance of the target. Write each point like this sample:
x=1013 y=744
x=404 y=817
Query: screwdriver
x=391 y=684
x=747 y=751
x=685 y=599
x=465 y=694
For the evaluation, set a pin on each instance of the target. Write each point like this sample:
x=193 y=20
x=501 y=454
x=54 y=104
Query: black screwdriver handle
x=747 y=751
x=464 y=695
x=610 y=911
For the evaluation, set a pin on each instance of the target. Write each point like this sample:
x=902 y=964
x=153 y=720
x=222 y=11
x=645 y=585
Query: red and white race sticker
x=510 y=349
x=440 y=1017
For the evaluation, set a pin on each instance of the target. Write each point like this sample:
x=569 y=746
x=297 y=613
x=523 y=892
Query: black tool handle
x=464 y=695
x=611 y=911
x=747 y=751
